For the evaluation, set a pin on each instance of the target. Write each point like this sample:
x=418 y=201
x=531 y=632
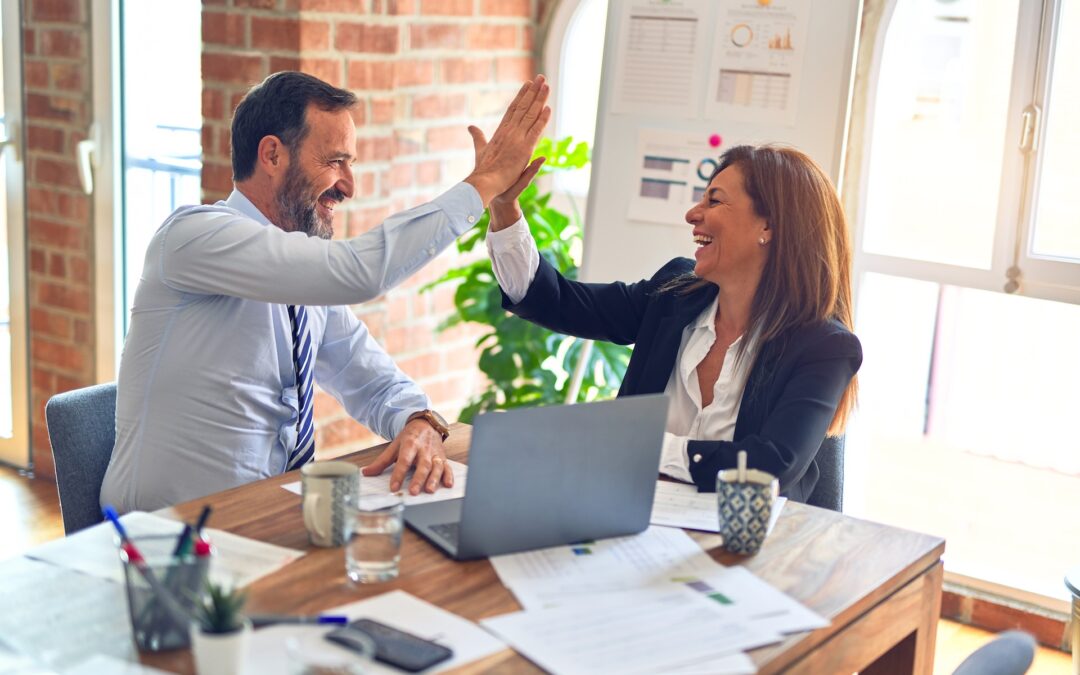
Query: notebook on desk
x=543 y=477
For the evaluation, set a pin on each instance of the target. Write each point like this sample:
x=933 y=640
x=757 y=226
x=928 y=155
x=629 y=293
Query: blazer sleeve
x=610 y=312
x=794 y=428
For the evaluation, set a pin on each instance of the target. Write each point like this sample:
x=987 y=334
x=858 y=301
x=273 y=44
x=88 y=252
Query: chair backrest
x=1010 y=653
x=82 y=431
x=829 y=491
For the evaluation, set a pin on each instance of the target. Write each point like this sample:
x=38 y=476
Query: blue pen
x=260 y=620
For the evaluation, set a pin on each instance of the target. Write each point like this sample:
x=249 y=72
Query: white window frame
x=1040 y=278
x=16 y=449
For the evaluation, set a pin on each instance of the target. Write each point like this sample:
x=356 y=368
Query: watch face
x=439 y=418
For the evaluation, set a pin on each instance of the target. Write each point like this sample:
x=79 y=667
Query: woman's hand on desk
x=420 y=445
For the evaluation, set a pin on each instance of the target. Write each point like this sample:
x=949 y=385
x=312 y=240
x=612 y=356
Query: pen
x=203 y=516
x=182 y=542
x=260 y=620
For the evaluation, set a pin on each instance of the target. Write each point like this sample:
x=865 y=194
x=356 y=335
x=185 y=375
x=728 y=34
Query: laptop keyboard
x=448 y=531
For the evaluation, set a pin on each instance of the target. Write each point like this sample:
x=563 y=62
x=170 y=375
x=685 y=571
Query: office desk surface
x=879 y=585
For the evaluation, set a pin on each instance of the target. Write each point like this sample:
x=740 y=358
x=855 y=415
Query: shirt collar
x=239 y=202
x=707 y=319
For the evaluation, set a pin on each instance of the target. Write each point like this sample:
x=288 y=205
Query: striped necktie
x=305 y=424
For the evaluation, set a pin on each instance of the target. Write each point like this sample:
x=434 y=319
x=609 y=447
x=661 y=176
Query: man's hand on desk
x=417 y=444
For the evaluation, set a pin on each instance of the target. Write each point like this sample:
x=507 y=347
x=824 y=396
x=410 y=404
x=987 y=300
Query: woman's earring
x=761 y=241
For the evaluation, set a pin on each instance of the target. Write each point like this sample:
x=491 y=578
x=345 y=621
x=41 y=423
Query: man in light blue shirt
x=242 y=303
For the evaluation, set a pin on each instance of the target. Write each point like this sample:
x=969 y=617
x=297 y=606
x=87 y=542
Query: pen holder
x=155 y=625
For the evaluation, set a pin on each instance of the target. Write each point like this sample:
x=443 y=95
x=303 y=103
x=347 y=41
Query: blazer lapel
x=664 y=348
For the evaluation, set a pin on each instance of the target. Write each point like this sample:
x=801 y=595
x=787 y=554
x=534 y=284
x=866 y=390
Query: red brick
x=401 y=176
x=42 y=379
x=29 y=42
x=36 y=74
x=213 y=104
x=327 y=70
x=408 y=142
x=413 y=73
x=436 y=36
x=428 y=172
x=362 y=220
x=461 y=358
x=378 y=75
x=56 y=172
x=457 y=71
x=398 y=307
x=281 y=34
x=365 y=184
x=395 y=7
x=80 y=270
x=422 y=366
x=513 y=68
x=520 y=8
x=62 y=43
x=448 y=138
x=45 y=139
x=315 y=35
x=63 y=296
x=383 y=110
x=434 y=106
x=233 y=68
x=373 y=149
x=256 y=4
x=217 y=177
x=37 y=261
x=60 y=11
x=528 y=38
x=491 y=36
x=342 y=6
x=402 y=340
x=66 y=357
x=224 y=28
x=66 y=383
x=53 y=107
x=365 y=38
x=68 y=76
x=51 y=324
x=57 y=266
x=446 y=7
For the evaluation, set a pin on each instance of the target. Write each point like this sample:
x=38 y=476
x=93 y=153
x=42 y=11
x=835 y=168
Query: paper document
x=107 y=665
x=670 y=174
x=56 y=618
x=237 y=560
x=268 y=653
x=679 y=628
x=380 y=485
x=681 y=505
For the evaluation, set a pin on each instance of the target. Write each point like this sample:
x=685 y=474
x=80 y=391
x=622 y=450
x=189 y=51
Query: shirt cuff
x=462 y=205
x=673 y=460
x=514 y=259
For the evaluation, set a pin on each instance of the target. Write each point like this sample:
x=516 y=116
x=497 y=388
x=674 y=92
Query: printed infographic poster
x=758 y=54
x=671 y=173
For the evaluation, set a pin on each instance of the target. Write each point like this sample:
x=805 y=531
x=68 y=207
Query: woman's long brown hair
x=807 y=276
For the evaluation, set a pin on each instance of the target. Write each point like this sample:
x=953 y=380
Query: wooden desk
x=880 y=586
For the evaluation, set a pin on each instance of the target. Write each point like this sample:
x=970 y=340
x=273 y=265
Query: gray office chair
x=1010 y=653
x=829 y=491
x=82 y=430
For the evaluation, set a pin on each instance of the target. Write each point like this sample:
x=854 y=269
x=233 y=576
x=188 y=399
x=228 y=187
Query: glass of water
x=373 y=550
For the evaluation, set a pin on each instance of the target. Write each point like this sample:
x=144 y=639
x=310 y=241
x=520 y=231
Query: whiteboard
x=683 y=75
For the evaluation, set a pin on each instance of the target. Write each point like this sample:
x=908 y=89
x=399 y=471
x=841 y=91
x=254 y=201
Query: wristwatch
x=434 y=419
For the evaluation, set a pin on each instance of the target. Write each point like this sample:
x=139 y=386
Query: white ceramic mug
x=328 y=488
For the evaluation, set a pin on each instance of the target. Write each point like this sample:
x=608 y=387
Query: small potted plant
x=220 y=635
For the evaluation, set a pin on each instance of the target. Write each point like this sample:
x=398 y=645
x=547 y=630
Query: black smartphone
x=392 y=646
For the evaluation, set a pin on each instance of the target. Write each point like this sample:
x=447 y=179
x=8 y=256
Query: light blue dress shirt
x=207 y=395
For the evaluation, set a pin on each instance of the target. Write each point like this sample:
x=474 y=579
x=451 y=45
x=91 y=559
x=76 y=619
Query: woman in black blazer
x=752 y=339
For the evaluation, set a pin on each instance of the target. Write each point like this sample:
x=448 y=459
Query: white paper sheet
x=56 y=617
x=268 y=655
x=380 y=485
x=681 y=505
x=630 y=636
x=237 y=560
x=100 y=664
x=659 y=49
x=757 y=62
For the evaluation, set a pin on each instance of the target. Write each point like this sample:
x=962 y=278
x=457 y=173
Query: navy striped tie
x=305 y=424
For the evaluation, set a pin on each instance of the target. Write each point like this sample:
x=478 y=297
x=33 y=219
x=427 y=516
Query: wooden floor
x=32 y=516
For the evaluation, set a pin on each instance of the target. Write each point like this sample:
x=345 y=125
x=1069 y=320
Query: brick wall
x=423 y=70
x=56 y=43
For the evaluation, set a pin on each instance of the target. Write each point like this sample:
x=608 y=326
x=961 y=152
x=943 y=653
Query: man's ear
x=273 y=156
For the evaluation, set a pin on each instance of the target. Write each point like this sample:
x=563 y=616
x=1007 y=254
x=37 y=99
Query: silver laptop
x=549 y=476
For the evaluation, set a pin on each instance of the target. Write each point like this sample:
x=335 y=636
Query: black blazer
x=791 y=394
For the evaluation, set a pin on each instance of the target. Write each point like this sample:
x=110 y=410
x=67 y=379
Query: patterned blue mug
x=745 y=508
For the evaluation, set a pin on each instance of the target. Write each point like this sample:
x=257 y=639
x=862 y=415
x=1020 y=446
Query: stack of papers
x=681 y=505
x=653 y=602
x=237 y=560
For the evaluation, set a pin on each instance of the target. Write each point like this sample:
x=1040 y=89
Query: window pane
x=966 y=427
x=162 y=122
x=5 y=290
x=1057 y=206
x=579 y=85
x=939 y=131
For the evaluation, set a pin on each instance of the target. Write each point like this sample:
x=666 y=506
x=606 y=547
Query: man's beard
x=297 y=209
